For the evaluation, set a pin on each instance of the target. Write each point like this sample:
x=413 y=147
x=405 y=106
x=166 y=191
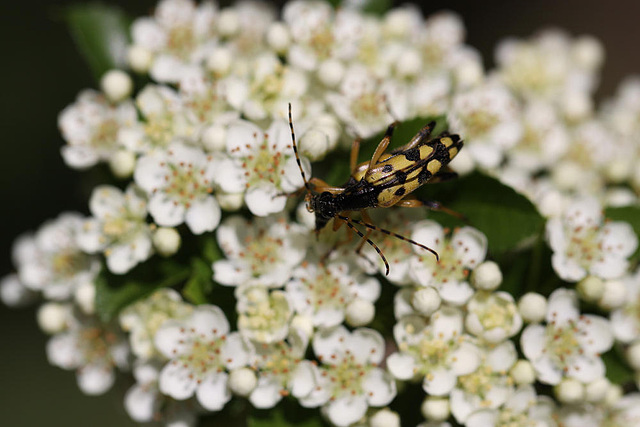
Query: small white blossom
x=91 y=128
x=118 y=227
x=93 y=350
x=51 y=261
x=438 y=351
x=435 y=408
x=324 y=292
x=625 y=321
x=242 y=381
x=350 y=380
x=260 y=164
x=178 y=183
x=116 y=85
x=200 y=350
x=263 y=315
x=523 y=408
x=487 y=387
x=570 y=344
x=532 y=307
x=13 y=293
x=263 y=252
x=582 y=244
x=459 y=254
x=142 y=319
x=493 y=317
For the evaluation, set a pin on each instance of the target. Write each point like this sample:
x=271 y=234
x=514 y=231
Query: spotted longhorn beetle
x=384 y=181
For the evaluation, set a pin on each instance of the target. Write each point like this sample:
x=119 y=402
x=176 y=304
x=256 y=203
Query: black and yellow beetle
x=388 y=179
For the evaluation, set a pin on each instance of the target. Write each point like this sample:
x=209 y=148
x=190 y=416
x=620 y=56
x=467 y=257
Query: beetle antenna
x=295 y=150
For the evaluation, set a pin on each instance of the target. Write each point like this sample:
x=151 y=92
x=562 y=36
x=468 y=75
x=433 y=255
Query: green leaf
x=200 y=284
x=630 y=214
x=210 y=250
x=287 y=414
x=101 y=33
x=508 y=219
x=113 y=293
x=377 y=7
x=618 y=372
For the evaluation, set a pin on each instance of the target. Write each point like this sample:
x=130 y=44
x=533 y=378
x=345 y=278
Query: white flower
x=488 y=386
x=436 y=351
x=263 y=315
x=263 y=252
x=176 y=35
x=523 y=408
x=310 y=26
x=13 y=293
x=459 y=254
x=570 y=344
x=178 y=183
x=93 y=350
x=144 y=403
x=282 y=370
x=260 y=164
x=143 y=318
x=493 y=317
x=582 y=244
x=488 y=118
x=165 y=119
x=625 y=321
x=201 y=350
x=118 y=227
x=350 y=380
x=362 y=104
x=51 y=260
x=91 y=126
x=324 y=292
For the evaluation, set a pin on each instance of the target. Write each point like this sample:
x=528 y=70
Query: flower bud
x=228 y=22
x=214 y=138
x=590 y=288
x=426 y=301
x=522 y=372
x=123 y=163
x=140 y=59
x=230 y=202
x=166 y=240
x=242 y=381
x=633 y=356
x=487 y=276
x=614 y=393
x=435 y=408
x=588 y=52
x=219 y=61
x=331 y=72
x=85 y=297
x=116 y=85
x=409 y=64
x=303 y=324
x=359 y=312
x=532 y=307
x=569 y=391
x=52 y=317
x=596 y=391
x=385 y=418
x=278 y=37
x=614 y=295
x=15 y=294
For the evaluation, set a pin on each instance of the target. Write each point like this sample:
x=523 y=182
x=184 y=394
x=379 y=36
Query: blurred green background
x=42 y=72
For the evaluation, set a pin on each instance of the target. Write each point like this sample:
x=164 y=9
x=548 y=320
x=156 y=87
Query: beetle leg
x=359 y=233
x=321 y=186
x=383 y=145
x=366 y=218
x=412 y=202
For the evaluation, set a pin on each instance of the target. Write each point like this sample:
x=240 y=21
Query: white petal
x=533 y=341
x=79 y=156
x=329 y=342
x=347 y=410
x=547 y=372
x=120 y=258
x=209 y=321
x=586 y=369
x=456 y=293
x=203 y=215
x=165 y=211
x=609 y=267
x=106 y=201
x=302 y=380
x=401 y=365
x=267 y=393
x=470 y=246
x=95 y=379
x=439 y=382
x=483 y=418
x=380 y=387
x=265 y=199
x=139 y=402
x=62 y=351
x=562 y=307
x=213 y=392
x=89 y=236
x=502 y=357
x=429 y=233
x=624 y=327
x=177 y=381
x=150 y=172
x=242 y=138
x=366 y=345
x=465 y=359
x=170 y=338
x=230 y=175
x=447 y=323
x=236 y=352
x=596 y=336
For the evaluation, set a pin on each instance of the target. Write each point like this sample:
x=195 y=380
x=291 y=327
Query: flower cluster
x=234 y=294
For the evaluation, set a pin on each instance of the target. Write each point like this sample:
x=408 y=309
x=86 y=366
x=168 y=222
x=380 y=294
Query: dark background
x=41 y=72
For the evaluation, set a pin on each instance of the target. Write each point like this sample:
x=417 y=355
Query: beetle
x=386 y=180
